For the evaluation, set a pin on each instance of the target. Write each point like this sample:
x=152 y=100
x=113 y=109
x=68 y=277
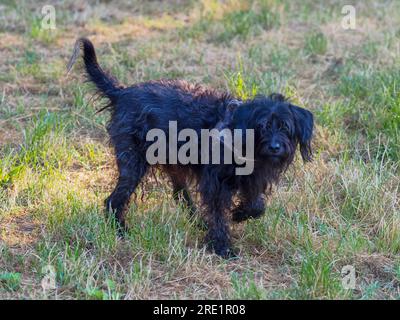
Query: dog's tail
x=106 y=84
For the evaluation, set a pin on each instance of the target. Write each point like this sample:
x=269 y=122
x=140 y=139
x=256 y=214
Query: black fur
x=138 y=108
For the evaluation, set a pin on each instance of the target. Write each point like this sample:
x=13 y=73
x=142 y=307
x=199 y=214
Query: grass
x=56 y=165
x=316 y=43
x=10 y=281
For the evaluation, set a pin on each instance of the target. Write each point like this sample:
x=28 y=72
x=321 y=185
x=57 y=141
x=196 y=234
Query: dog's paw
x=240 y=215
x=223 y=250
x=227 y=253
x=115 y=215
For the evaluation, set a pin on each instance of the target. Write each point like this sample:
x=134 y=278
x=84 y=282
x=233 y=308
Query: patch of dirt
x=9 y=135
x=376 y=267
x=19 y=230
x=11 y=41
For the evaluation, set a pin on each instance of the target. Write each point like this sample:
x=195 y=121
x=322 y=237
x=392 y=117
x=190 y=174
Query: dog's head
x=279 y=127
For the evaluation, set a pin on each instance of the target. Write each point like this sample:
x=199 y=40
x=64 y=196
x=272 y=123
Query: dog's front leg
x=217 y=199
x=218 y=238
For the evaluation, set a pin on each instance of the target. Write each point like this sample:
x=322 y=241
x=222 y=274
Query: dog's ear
x=304 y=126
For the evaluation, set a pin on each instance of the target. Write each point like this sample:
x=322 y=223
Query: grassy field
x=56 y=166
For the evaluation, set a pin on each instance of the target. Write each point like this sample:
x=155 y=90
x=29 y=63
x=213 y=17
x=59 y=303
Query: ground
x=56 y=166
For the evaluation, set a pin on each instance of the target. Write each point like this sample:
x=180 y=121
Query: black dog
x=279 y=127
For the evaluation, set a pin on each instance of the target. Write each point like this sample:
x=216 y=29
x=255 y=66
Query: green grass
x=371 y=106
x=10 y=281
x=316 y=43
x=240 y=23
x=245 y=287
x=244 y=23
x=56 y=166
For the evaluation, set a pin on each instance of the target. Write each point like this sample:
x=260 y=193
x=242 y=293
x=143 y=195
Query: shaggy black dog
x=279 y=127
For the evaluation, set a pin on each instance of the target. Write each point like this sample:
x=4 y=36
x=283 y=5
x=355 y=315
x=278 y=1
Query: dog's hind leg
x=132 y=167
x=249 y=207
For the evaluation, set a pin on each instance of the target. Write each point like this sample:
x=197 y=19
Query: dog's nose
x=274 y=147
